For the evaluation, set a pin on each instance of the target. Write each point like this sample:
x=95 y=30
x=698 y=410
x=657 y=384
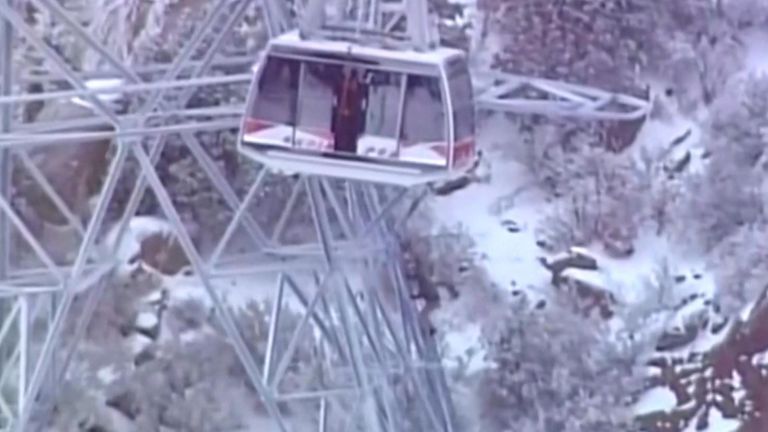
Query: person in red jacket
x=348 y=112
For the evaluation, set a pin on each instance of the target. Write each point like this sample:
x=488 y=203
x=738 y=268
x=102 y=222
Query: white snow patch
x=462 y=347
x=746 y=312
x=760 y=358
x=507 y=256
x=592 y=278
x=708 y=340
x=756 y=59
x=236 y=290
x=627 y=275
x=107 y=374
x=153 y=297
x=654 y=400
x=99 y=85
x=138 y=342
x=688 y=314
x=147 y=320
x=657 y=134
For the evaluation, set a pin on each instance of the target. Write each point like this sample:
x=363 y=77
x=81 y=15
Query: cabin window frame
x=301 y=89
x=446 y=135
x=457 y=75
x=292 y=97
x=398 y=84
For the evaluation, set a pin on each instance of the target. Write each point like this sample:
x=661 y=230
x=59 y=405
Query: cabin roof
x=292 y=42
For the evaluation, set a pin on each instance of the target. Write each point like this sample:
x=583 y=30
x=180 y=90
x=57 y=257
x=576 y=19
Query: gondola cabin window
x=423 y=136
x=272 y=110
x=382 y=114
x=318 y=93
x=354 y=109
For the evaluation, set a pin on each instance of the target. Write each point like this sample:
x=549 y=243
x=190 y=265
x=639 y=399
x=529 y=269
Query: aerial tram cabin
x=339 y=109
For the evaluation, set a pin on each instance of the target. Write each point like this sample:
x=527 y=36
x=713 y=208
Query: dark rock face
x=126 y=403
x=73 y=170
x=163 y=253
x=731 y=377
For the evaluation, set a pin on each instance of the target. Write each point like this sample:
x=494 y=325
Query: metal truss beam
x=497 y=91
x=392 y=23
x=43 y=75
x=9 y=307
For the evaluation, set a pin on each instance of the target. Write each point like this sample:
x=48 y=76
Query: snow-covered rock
x=148 y=243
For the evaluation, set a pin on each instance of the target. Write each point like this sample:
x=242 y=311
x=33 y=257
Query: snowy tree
x=741 y=267
x=729 y=193
x=743 y=13
x=554 y=372
x=600 y=192
x=186 y=377
x=591 y=42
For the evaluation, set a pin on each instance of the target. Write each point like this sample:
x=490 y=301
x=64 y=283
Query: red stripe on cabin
x=463 y=151
x=322 y=133
x=254 y=125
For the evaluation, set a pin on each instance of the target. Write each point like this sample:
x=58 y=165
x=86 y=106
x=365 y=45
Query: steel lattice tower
x=373 y=357
x=377 y=369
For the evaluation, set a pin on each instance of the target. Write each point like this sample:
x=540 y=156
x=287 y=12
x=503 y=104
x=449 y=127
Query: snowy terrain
x=506 y=246
x=694 y=335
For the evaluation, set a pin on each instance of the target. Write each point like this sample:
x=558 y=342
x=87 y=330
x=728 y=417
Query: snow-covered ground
x=501 y=217
x=505 y=245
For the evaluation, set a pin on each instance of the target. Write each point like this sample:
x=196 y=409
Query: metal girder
x=504 y=92
x=130 y=88
x=277 y=16
x=378 y=22
x=6 y=113
x=9 y=307
x=43 y=75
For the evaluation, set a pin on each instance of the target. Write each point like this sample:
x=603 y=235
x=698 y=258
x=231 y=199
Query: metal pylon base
x=377 y=370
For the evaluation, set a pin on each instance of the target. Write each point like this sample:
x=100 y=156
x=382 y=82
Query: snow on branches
x=600 y=43
x=554 y=372
x=137 y=30
x=729 y=193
